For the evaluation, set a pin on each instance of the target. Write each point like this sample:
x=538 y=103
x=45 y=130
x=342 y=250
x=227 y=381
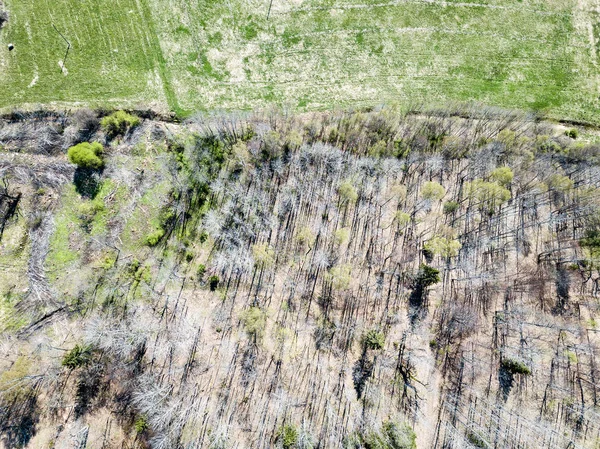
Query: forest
x=373 y=278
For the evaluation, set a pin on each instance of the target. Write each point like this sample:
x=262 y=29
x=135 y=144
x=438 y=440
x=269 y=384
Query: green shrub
x=450 y=207
x=432 y=191
x=154 y=237
x=427 y=276
x=514 y=366
x=200 y=271
x=87 y=212
x=391 y=436
x=502 y=175
x=400 y=436
x=341 y=236
x=402 y=218
x=254 y=320
x=340 y=276
x=559 y=183
x=476 y=440
x=374 y=339
x=347 y=192
x=442 y=246
x=264 y=255
x=488 y=194
x=213 y=282
x=118 y=123
x=572 y=133
x=141 y=424
x=76 y=357
x=86 y=155
x=288 y=436
x=591 y=241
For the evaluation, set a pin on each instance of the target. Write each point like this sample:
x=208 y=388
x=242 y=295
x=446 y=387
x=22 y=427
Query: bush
x=442 y=246
x=432 y=191
x=488 y=194
x=502 y=175
x=400 y=436
x=154 y=237
x=86 y=155
x=476 y=440
x=450 y=207
x=213 y=282
x=559 y=183
x=427 y=276
x=76 y=357
x=391 y=436
x=254 y=320
x=572 y=133
x=264 y=255
x=340 y=276
x=288 y=437
x=514 y=366
x=118 y=123
x=341 y=236
x=374 y=339
x=200 y=271
x=402 y=218
x=141 y=424
x=87 y=211
x=347 y=192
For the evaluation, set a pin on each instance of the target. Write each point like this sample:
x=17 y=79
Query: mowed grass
x=114 y=57
x=193 y=55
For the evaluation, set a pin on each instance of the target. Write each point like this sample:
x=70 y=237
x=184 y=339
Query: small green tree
x=347 y=192
x=443 y=246
x=341 y=236
x=80 y=355
x=374 y=339
x=502 y=175
x=402 y=218
x=490 y=195
x=118 y=123
x=87 y=155
x=141 y=424
x=340 y=276
x=427 y=276
x=255 y=321
x=572 y=133
x=559 y=183
x=515 y=366
x=450 y=207
x=400 y=436
x=263 y=254
x=432 y=191
x=154 y=237
x=213 y=282
x=288 y=437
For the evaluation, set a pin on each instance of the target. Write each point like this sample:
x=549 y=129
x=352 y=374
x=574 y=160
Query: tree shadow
x=362 y=371
x=506 y=381
x=19 y=420
x=89 y=386
x=87 y=182
x=417 y=305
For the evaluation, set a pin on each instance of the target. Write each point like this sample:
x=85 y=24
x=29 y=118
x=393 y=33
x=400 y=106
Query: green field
x=188 y=55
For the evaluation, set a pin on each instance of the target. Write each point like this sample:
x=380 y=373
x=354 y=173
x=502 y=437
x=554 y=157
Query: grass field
x=308 y=54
